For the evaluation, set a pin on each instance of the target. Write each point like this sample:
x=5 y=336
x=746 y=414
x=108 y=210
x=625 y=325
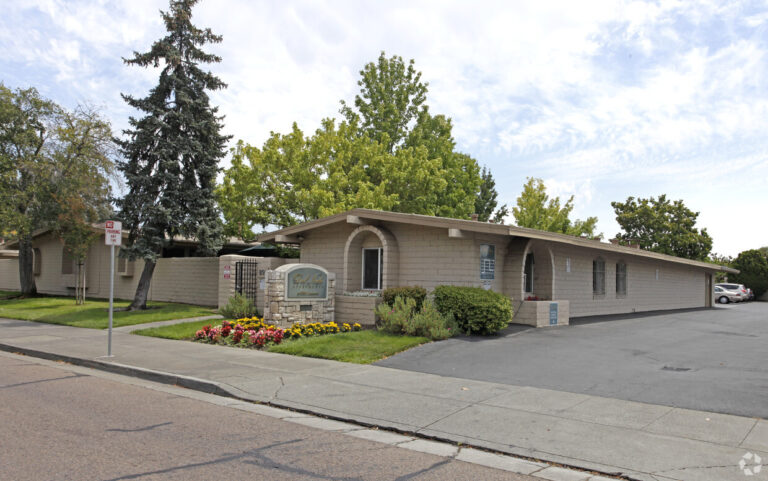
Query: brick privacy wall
x=190 y=280
x=9 y=274
x=353 y=309
x=678 y=286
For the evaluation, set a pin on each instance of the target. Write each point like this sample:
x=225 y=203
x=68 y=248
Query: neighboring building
x=371 y=250
x=178 y=276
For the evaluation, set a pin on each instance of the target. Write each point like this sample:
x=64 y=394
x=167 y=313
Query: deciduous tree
x=536 y=210
x=753 y=267
x=659 y=225
x=173 y=150
x=54 y=166
x=389 y=153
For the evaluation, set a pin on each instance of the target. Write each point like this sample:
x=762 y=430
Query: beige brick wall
x=353 y=309
x=677 y=287
x=9 y=274
x=190 y=280
x=427 y=256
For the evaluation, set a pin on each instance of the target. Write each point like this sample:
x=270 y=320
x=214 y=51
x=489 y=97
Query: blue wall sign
x=553 y=313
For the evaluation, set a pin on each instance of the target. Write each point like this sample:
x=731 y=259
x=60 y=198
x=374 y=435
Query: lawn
x=183 y=331
x=362 y=347
x=94 y=313
x=4 y=294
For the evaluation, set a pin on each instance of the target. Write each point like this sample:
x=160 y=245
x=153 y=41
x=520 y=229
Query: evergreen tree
x=172 y=152
x=485 y=202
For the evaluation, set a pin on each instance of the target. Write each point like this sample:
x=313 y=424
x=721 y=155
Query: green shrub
x=404 y=318
x=476 y=310
x=417 y=293
x=239 y=307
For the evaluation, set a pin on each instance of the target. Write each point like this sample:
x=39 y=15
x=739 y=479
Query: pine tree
x=486 y=202
x=172 y=152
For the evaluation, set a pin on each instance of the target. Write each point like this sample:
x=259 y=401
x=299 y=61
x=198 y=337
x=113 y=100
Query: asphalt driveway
x=708 y=359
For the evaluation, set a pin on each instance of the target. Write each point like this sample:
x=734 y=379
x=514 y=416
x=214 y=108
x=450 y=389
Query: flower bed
x=254 y=332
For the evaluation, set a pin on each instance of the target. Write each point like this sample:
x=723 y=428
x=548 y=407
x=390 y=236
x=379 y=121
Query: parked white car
x=725 y=296
x=738 y=288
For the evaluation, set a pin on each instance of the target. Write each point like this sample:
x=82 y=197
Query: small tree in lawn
x=172 y=152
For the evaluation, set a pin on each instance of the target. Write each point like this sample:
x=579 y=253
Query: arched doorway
x=370 y=259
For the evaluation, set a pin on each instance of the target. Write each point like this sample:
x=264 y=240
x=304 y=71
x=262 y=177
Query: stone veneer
x=282 y=312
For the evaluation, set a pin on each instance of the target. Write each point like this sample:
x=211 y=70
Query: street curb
x=215 y=388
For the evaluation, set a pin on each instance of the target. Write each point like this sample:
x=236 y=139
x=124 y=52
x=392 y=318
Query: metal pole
x=111 y=296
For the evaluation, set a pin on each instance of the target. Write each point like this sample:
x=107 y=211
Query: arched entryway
x=529 y=270
x=370 y=259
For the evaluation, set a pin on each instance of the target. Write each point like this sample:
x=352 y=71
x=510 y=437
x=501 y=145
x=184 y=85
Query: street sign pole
x=113 y=236
x=111 y=298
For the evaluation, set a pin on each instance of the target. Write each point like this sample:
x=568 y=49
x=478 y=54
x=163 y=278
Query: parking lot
x=708 y=359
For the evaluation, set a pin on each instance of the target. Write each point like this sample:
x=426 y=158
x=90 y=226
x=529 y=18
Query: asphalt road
x=710 y=360
x=59 y=424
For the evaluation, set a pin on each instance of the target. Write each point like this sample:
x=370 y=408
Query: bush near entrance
x=417 y=293
x=475 y=310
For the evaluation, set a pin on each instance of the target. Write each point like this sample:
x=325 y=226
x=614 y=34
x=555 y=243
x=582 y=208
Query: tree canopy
x=387 y=153
x=392 y=97
x=659 y=225
x=753 y=267
x=536 y=210
x=173 y=150
x=55 y=166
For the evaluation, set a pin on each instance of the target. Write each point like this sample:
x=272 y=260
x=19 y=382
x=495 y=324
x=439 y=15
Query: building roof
x=359 y=216
x=228 y=242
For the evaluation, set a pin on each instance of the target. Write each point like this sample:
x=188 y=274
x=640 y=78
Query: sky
x=601 y=99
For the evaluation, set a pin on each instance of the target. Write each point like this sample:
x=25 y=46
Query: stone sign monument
x=299 y=293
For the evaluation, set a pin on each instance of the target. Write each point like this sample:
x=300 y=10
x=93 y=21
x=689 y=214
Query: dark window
x=621 y=279
x=372 y=267
x=487 y=261
x=529 y=272
x=598 y=277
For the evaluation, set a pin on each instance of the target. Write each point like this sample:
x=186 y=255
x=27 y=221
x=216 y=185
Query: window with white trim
x=621 y=279
x=372 y=268
x=598 y=277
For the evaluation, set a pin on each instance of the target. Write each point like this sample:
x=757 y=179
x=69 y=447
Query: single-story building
x=370 y=250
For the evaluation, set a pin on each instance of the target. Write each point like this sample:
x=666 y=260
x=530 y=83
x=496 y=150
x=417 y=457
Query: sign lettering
x=306 y=283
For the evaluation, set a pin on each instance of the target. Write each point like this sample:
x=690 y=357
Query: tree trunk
x=142 y=290
x=26 y=267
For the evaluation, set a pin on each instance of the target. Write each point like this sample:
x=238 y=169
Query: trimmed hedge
x=475 y=310
x=417 y=293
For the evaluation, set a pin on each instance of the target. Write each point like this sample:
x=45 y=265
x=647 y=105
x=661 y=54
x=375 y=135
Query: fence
x=247 y=279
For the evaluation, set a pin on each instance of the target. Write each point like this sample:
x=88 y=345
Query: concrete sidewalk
x=642 y=441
